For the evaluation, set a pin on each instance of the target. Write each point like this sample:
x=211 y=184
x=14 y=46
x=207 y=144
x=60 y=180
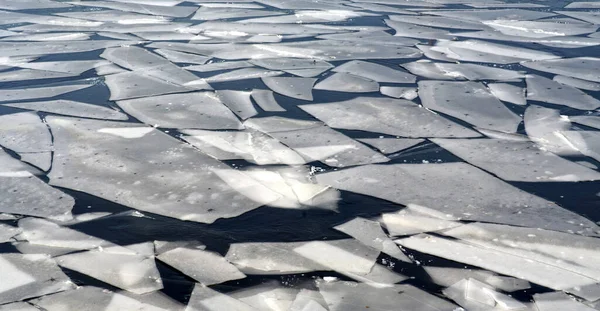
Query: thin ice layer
x=471 y=102
x=546 y=127
x=468 y=193
x=190 y=110
x=546 y=90
x=387 y=116
x=585 y=68
x=239 y=102
x=517 y=161
x=344 y=82
x=508 y=93
x=72 y=108
x=300 y=88
x=375 y=72
x=391 y=145
x=39 y=92
x=178 y=183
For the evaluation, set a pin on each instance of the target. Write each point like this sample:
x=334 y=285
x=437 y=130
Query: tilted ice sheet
x=145 y=169
x=24 y=132
x=206 y=299
x=488 y=52
x=31 y=74
x=387 y=116
x=459 y=71
x=7 y=232
x=181 y=57
x=39 y=92
x=265 y=100
x=558 y=301
x=391 y=145
x=503 y=14
x=508 y=93
x=446 y=276
x=539 y=29
x=74 y=67
x=467 y=193
x=28 y=276
x=300 y=88
x=239 y=102
x=375 y=72
x=517 y=161
x=172 y=11
x=546 y=127
x=203 y=266
x=117 y=266
x=408 y=93
x=72 y=108
x=43 y=48
x=188 y=110
x=587 y=142
x=210 y=13
x=577 y=83
x=344 y=82
x=471 y=102
x=546 y=90
x=133 y=84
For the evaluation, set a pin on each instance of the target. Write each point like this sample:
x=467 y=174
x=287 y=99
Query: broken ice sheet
x=18 y=306
x=30 y=74
x=127 y=85
x=587 y=142
x=188 y=110
x=387 y=116
x=91 y=298
x=26 y=134
x=203 y=266
x=517 y=161
x=546 y=90
x=468 y=193
x=370 y=233
x=7 y=232
x=181 y=57
x=206 y=299
x=253 y=146
x=539 y=29
x=477 y=296
x=328 y=146
x=446 y=276
x=546 y=127
x=488 y=52
x=27 y=276
x=450 y=71
x=145 y=169
x=375 y=72
x=117 y=266
x=558 y=301
x=72 y=108
x=25 y=194
x=468 y=101
x=577 y=83
x=269 y=296
x=266 y=100
x=344 y=82
x=508 y=93
x=586 y=68
x=39 y=92
x=408 y=93
x=350 y=296
x=403 y=223
x=300 y=88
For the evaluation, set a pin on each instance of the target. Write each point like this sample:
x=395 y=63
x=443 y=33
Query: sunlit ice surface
x=299 y=155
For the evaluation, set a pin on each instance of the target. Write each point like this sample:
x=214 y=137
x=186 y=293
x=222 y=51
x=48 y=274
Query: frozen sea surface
x=299 y=155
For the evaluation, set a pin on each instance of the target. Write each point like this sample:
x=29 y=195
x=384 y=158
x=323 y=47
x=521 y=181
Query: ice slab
x=309 y=300
x=171 y=11
x=591 y=121
x=91 y=298
x=218 y=66
x=211 y=13
x=468 y=101
x=310 y=16
x=408 y=93
x=587 y=142
x=375 y=72
x=546 y=127
x=28 y=276
x=477 y=296
x=539 y=29
x=585 y=68
x=24 y=132
x=18 y=306
x=75 y=67
x=502 y=14
x=344 y=82
x=30 y=74
x=31 y=4
x=243 y=74
x=25 y=194
x=206 y=299
x=266 y=100
x=468 y=193
x=39 y=92
x=508 y=93
x=117 y=266
x=370 y=233
x=72 y=108
x=545 y=90
x=402 y=223
x=488 y=52
x=508 y=264
x=558 y=301
x=391 y=145
x=473 y=72
x=270 y=296
x=129 y=85
x=446 y=277
x=239 y=102
x=517 y=161
x=7 y=232
x=416 y=31
x=300 y=88
x=328 y=146
x=206 y=267
x=251 y=145
x=179 y=183
x=387 y=116
x=440 y=22
x=189 y=110
x=119 y=17
x=349 y=296
x=182 y=57
x=55 y=47
x=590 y=17
x=577 y=83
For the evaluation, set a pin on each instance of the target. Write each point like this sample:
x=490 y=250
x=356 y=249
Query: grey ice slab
x=238 y=102
x=206 y=299
x=416 y=31
x=117 y=266
x=586 y=68
x=206 y=267
x=471 y=102
x=587 y=142
x=115 y=16
x=407 y=223
x=349 y=296
x=25 y=194
x=72 y=108
x=145 y=169
x=54 y=47
x=375 y=72
x=577 y=83
x=28 y=276
x=388 y=116
x=24 y=132
x=211 y=13
x=482 y=15
x=558 y=301
x=31 y=4
x=440 y=22
x=265 y=100
x=451 y=71
x=328 y=146
x=468 y=193
x=181 y=57
x=39 y=92
x=546 y=90
x=517 y=161
x=475 y=295
x=345 y=82
x=132 y=84
x=91 y=298
x=189 y=110
x=408 y=93
x=18 y=306
x=7 y=232
x=540 y=29
x=446 y=276
x=372 y=37
x=31 y=74
x=591 y=121
x=75 y=67
x=243 y=74
x=300 y=88
x=310 y=16
x=172 y=11
x=488 y=52
x=588 y=16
